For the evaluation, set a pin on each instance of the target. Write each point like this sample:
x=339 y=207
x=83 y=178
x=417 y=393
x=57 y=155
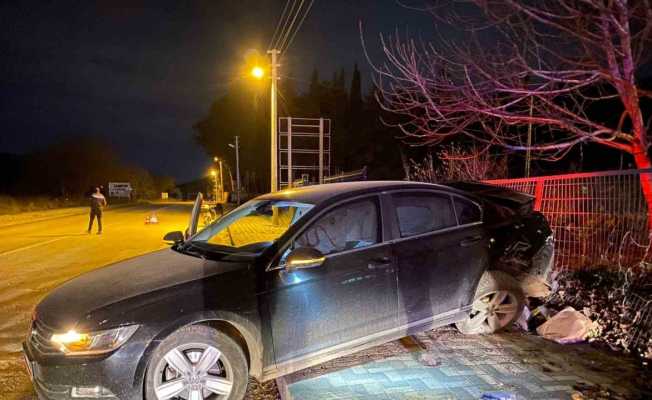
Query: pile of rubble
x=597 y=306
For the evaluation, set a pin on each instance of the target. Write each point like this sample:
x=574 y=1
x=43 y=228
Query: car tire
x=497 y=303
x=188 y=350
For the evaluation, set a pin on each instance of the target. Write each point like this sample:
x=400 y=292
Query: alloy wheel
x=493 y=311
x=193 y=371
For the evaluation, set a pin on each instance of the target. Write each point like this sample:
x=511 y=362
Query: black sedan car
x=285 y=281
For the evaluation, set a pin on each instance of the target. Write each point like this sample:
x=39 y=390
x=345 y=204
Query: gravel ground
x=262 y=391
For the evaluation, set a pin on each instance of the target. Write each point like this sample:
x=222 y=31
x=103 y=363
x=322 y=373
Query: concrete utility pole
x=273 y=120
x=321 y=151
x=215 y=185
x=221 y=183
x=236 y=147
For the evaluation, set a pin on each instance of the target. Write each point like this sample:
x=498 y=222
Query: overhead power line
x=289 y=24
x=281 y=22
x=288 y=30
x=298 y=27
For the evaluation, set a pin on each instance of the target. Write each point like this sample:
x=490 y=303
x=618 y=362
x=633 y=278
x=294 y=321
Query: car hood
x=77 y=298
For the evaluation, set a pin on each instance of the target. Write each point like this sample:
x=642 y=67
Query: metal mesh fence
x=641 y=324
x=598 y=219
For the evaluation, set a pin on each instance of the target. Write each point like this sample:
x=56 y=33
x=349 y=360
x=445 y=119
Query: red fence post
x=538 y=194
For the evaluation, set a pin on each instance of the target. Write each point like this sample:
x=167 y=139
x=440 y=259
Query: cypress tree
x=355 y=96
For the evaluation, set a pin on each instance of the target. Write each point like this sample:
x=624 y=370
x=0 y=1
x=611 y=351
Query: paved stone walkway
x=448 y=365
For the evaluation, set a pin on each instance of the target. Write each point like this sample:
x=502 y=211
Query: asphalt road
x=37 y=256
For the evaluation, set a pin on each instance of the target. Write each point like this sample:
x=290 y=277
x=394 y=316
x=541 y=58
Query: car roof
x=317 y=194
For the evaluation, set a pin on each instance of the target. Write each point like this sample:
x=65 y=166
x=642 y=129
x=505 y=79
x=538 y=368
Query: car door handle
x=379 y=263
x=471 y=240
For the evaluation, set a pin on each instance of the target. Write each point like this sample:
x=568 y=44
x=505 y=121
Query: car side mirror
x=174 y=237
x=304 y=257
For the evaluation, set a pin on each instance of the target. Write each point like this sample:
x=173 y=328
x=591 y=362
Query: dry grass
x=16 y=205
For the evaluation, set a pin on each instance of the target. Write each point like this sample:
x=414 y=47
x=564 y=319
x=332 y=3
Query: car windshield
x=254 y=225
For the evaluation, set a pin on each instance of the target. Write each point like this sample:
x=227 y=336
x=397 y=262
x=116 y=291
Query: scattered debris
x=429 y=360
x=606 y=298
x=567 y=326
x=522 y=321
x=539 y=316
x=499 y=396
x=594 y=392
x=534 y=286
x=534 y=314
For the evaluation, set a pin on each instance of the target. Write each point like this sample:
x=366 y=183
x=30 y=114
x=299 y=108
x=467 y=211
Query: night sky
x=141 y=73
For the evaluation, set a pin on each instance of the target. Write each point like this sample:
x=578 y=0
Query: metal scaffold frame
x=316 y=132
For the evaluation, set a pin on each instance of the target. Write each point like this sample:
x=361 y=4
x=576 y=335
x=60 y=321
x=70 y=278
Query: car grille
x=40 y=338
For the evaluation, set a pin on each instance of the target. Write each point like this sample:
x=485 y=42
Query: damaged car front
x=522 y=240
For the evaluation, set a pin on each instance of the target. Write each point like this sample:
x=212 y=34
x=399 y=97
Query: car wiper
x=228 y=230
x=210 y=248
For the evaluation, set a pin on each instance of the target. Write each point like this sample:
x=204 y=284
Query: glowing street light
x=257 y=72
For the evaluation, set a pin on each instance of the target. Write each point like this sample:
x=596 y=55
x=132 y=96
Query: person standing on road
x=98 y=202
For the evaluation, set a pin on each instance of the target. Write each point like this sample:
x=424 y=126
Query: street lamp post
x=218 y=192
x=258 y=73
x=274 y=120
x=236 y=147
x=214 y=175
x=221 y=183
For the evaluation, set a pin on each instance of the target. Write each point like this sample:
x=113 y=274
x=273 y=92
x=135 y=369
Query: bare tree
x=545 y=63
x=457 y=163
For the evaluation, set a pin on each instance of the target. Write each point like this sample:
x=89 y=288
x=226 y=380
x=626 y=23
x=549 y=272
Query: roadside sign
x=120 y=189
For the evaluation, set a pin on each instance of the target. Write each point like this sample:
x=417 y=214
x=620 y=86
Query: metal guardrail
x=359 y=175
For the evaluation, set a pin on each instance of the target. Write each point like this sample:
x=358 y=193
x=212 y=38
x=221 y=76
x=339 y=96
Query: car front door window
x=350 y=226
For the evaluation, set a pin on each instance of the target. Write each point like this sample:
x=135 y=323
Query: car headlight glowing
x=75 y=343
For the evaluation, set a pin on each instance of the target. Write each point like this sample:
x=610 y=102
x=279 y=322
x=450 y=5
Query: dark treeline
x=359 y=137
x=71 y=167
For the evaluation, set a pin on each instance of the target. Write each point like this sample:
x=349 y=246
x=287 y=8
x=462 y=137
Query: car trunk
x=519 y=202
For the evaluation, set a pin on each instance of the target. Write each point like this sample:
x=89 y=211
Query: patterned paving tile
x=466 y=367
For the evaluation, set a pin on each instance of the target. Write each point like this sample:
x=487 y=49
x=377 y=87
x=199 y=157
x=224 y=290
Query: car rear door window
x=423 y=212
x=350 y=226
x=467 y=211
